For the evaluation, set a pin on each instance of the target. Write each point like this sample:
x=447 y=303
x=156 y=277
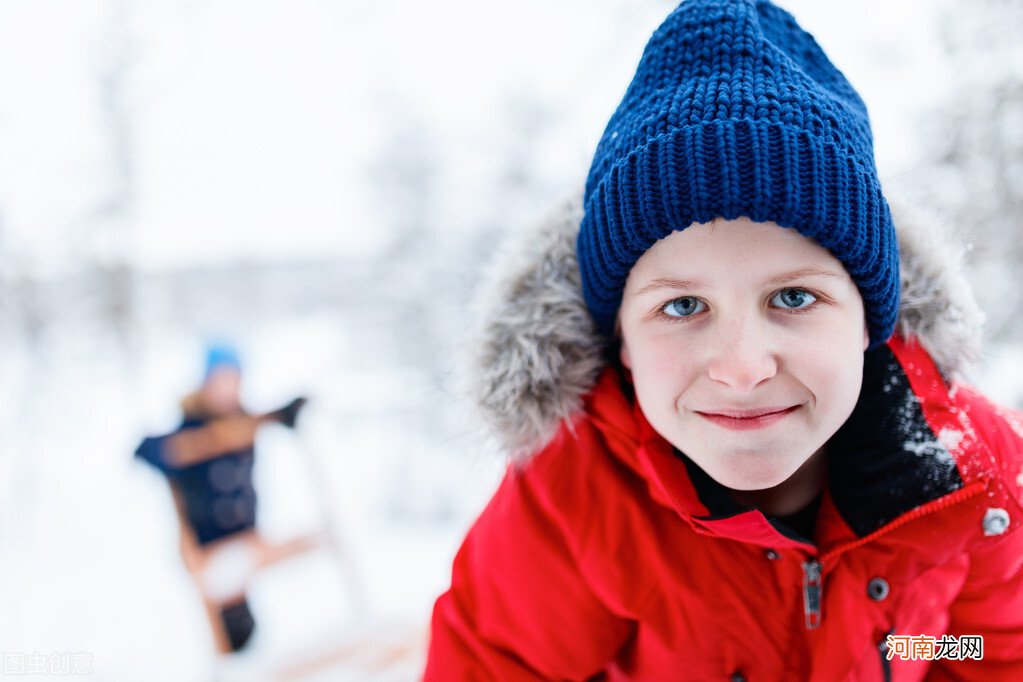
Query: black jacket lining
x=714 y=496
x=886 y=460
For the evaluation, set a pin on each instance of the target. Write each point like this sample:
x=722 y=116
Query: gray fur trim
x=536 y=352
x=937 y=305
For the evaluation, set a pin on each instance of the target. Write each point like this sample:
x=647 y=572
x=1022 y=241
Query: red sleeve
x=518 y=608
x=990 y=605
x=991 y=601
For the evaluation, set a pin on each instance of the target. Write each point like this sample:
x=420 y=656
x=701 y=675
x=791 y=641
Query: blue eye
x=793 y=299
x=684 y=307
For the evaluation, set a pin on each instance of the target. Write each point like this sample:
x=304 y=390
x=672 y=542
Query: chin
x=749 y=471
x=752 y=485
x=748 y=484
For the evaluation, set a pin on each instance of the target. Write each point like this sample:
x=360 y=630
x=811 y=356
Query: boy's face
x=745 y=341
x=221 y=391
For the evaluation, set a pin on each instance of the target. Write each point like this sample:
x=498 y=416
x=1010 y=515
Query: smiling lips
x=746 y=420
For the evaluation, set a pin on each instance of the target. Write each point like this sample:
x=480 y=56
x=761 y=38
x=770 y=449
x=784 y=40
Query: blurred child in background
x=208 y=462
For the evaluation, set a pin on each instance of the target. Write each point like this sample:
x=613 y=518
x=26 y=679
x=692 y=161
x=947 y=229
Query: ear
x=623 y=354
x=866 y=338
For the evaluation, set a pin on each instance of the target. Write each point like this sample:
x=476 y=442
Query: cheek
x=659 y=366
x=833 y=370
x=645 y=353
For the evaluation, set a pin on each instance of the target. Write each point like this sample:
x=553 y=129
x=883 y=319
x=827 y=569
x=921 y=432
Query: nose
x=743 y=356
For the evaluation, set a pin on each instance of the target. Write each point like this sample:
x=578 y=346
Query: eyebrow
x=812 y=271
x=669 y=283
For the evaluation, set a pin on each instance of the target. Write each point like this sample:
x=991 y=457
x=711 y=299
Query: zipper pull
x=812 y=589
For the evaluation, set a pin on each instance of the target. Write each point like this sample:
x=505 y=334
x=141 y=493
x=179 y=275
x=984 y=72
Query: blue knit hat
x=736 y=111
x=219 y=356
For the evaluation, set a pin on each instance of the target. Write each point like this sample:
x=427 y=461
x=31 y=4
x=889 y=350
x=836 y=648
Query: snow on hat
x=736 y=111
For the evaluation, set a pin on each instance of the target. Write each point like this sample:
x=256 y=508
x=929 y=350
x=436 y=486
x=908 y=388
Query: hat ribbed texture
x=736 y=111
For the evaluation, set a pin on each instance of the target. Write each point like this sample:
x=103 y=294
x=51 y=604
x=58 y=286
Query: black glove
x=289 y=413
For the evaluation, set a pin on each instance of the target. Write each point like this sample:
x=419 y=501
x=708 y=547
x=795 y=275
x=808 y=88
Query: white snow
x=950 y=438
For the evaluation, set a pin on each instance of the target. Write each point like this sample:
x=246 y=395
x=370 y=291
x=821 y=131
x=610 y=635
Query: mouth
x=749 y=419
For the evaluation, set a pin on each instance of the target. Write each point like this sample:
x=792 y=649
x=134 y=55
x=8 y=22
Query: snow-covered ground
x=381 y=454
x=322 y=182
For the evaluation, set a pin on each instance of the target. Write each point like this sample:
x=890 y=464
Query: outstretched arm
x=225 y=434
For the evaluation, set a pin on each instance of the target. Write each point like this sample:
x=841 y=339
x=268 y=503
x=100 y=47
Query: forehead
x=737 y=248
x=223 y=376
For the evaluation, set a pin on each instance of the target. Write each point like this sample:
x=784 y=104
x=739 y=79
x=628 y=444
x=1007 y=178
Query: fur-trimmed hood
x=535 y=352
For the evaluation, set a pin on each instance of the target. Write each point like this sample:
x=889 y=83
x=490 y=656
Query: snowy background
x=324 y=183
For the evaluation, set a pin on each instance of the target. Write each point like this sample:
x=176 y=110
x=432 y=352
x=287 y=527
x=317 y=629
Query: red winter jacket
x=604 y=558
x=608 y=556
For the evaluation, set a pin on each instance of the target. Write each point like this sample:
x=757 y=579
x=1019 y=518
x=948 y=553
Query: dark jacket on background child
x=216 y=491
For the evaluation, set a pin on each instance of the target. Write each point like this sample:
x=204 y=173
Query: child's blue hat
x=221 y=356
x=736 y=111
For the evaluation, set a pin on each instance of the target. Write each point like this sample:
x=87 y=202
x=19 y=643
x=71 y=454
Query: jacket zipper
x=886 y=665
x=813 y=588
x=953 y=498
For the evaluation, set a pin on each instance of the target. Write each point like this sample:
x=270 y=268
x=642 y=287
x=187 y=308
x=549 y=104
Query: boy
x=753 y=477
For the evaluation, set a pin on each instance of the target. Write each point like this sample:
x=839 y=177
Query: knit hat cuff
x=763 y=170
